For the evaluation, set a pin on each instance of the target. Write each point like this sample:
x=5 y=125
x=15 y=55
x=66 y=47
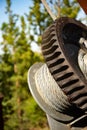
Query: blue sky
x=18 y=6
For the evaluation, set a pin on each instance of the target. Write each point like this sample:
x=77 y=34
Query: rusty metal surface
x=83 y=4
x=60 y=48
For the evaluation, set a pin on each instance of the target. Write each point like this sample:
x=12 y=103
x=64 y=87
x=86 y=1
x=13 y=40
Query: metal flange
x=60 y=49
x=56 y=119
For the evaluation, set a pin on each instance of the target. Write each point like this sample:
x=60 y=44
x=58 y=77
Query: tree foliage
x=39 y=19
x=16 y=59
x=69 y=8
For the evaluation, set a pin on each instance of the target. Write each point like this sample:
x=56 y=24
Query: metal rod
x=73 y=122
x=48 y=9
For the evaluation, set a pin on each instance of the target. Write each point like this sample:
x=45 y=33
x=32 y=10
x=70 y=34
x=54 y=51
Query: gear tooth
x=61 y=61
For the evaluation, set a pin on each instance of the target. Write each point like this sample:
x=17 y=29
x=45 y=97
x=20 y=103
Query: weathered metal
x=72 y=120
x=60 y=48
x=83 y=4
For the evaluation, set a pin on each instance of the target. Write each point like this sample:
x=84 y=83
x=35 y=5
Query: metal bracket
x=83 y=4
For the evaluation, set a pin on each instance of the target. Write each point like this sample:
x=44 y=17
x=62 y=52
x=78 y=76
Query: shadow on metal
x=60 y=48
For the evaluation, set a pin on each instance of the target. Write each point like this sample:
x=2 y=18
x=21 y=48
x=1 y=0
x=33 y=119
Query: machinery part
x=60 y=47
x=50 y=91
x=83 y=4
x=76 y=120
x=55 y=125
x=82 y=61
x=46 y=107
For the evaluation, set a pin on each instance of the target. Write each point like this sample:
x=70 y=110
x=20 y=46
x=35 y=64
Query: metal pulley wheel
x=60 y=47
x=59 y=86
x=72 y=118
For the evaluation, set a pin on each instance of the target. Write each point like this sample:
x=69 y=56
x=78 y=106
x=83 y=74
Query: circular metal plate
x=49 y=110
x=60 y=49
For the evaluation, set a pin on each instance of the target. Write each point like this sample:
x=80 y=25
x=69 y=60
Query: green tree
x=16 y=59
x=38 y=19
x=6 y=65
x=69 y=8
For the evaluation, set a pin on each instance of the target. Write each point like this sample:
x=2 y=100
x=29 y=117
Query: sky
x=18 y=7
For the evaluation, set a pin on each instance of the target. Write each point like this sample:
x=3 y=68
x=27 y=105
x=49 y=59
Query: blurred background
x=21 y=25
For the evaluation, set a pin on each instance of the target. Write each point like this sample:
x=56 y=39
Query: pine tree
x=69 y=8
x=38 y=19
x=16 y=59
